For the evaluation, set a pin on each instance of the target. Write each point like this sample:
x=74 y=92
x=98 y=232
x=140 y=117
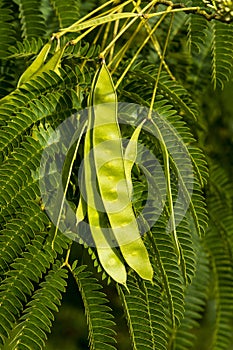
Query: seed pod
x=35 y=66
x=54 y=62
x=108 y=256
x=38 y=67
x=131 y=155
x=111 y=175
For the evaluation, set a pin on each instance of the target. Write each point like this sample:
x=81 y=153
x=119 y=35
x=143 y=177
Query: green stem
x=66 y=262
x=139 y=50
x=115 y=30
x=169 y=190
x=172 y=10
x=137 y=15
x=76 y=27
x=67 y=185
x=106 y=34
x=156 y=45
x=88 y=15
x=80 y=37
x=160 y=67
x=103 y=53
x=120 y=54
x=164 y=148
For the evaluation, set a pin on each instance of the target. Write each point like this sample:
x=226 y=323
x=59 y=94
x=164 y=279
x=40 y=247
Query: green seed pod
x=35 y=66
x=109 y=259
x=113 y=183
x=54 y=62
x=38 y=67
x=130 y=156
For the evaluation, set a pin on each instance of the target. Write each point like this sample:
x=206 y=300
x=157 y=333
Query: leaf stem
x=160 y=67
x=67 y=185
x=120 y=54
x=136 y=15
x=156 y=44
x=139 y=50
x=169 y=189
x=66 y=262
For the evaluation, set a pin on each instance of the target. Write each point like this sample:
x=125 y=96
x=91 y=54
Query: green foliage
x=144 y=305
x=36 y=320
x=222 y=49
x=31 y=19
x=177 y=72
x=99 y=315
x=66 y=13
x=7 y=31
x=218 y=239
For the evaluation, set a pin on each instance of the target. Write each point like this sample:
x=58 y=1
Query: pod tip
x=125 y=285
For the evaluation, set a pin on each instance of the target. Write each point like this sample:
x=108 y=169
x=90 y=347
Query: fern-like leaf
x=32 y=21
x=18 y=286
x=99 y=316
x=16 y=177
x=195 y=300
x=197 y=27
x=175 y=93
x=222 y=52
x=30 y=332
x=25 y=48
x=220 y=247
x=145 y=315
x=176 y=136
x=19 y=231
x=67 y=13
x=7 y=32
x=170 y=275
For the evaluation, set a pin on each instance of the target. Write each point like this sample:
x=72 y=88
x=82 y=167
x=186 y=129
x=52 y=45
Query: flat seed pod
x=108 y=256
x=81 y=210
x=35 y=66
x=53 y=63
x=111 y=175
x=131 y=155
